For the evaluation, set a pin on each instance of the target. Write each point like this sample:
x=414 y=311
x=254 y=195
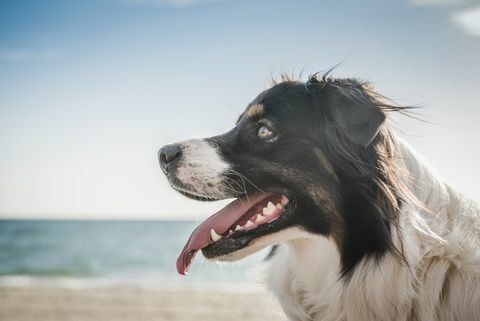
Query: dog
x=360 y=227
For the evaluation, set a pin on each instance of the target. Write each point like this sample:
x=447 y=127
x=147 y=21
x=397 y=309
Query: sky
x=90 y=90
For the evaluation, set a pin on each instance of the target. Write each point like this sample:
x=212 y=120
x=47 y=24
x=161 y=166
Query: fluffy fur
x=437 y=279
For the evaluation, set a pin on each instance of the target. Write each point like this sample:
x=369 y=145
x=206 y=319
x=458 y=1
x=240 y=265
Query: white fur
x=201 y=168
x=440 y=283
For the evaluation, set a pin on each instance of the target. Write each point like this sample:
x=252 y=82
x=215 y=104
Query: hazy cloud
x=460 y=13
x=469 y=19
x=20 y=55
x=171 y=3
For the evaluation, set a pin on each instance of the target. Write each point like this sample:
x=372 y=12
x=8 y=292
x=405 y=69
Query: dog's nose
x=168 y=154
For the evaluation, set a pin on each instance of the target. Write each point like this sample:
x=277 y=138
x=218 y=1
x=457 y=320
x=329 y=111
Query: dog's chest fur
x=440 y=282
x=304 y=275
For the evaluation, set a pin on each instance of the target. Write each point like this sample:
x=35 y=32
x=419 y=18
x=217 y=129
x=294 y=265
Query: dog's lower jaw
x=283 y=236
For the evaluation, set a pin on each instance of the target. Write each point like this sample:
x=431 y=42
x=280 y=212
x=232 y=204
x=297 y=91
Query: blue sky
x=89 y=90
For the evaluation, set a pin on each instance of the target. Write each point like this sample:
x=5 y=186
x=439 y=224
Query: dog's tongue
x=220 y=222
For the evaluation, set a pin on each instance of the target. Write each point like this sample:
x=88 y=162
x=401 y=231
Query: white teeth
x=268 y=210
x=239 y=228
x=249 y=224
x=280 y=206
x=259 y=218
x=284 y=200
x=270 y=205
x=215 y=237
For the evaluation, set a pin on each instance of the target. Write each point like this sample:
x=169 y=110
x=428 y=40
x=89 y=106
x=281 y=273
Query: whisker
x=244 y=177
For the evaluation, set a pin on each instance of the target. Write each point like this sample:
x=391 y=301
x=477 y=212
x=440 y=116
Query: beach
x=132 y=303
x=120 y=271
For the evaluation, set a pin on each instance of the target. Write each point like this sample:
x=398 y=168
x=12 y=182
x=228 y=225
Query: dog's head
x=302 y=159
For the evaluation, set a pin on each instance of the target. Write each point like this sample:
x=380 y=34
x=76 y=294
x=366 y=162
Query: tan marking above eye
x=255 y=111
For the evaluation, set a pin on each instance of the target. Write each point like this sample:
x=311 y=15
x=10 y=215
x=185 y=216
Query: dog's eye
x=264 y=132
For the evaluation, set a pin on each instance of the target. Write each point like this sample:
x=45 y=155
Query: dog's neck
x=305 y=273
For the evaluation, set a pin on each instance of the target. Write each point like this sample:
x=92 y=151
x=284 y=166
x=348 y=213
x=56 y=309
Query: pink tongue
x=220 y=222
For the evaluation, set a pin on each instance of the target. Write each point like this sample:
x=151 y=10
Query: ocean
x=95 y=253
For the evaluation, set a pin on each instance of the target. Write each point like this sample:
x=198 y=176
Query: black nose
x=168 y=154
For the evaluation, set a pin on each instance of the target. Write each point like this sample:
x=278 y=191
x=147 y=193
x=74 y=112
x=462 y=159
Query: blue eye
x=264 y=132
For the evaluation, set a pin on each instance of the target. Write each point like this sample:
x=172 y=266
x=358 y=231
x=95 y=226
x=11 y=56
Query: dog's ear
x=356 y=113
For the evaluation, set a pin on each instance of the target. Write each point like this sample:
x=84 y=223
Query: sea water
x=84 y=253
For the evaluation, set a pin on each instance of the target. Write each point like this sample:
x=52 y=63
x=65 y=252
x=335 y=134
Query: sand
x=131 y=303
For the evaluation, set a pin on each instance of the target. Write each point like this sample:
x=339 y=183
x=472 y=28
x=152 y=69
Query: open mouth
x=234 y=226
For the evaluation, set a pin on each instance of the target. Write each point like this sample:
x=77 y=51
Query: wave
x=49 y=272
x=28 y=281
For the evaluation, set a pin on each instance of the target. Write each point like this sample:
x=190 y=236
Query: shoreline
x=77 y=283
